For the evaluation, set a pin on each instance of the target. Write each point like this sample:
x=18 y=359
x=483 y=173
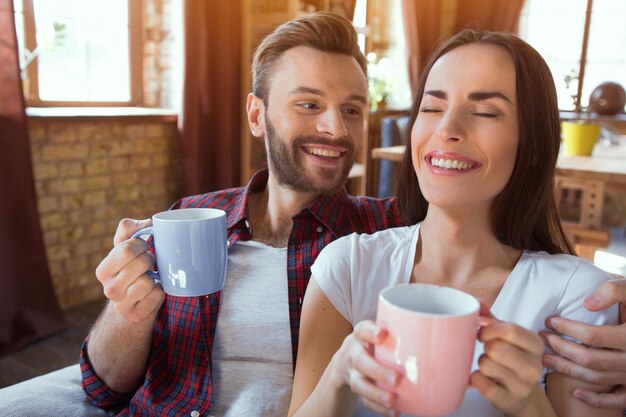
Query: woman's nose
x=451 y=127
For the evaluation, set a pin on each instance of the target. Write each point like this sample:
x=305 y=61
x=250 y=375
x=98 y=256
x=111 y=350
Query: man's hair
x=524 y=215
x=323 y=31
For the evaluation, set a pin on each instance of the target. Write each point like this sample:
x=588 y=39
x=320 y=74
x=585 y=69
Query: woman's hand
x=335 y=363
x=356 y=366
x=510 y=368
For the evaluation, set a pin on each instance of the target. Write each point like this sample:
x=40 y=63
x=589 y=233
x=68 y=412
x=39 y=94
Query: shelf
x=616 y=122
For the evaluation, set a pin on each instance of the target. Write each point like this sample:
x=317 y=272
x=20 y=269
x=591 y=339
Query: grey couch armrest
x=58 y=393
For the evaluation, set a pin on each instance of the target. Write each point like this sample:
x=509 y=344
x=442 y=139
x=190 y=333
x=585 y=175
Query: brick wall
x=88 y=176
x=162 y=53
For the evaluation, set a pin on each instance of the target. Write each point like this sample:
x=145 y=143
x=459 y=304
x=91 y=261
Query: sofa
x=57 y=393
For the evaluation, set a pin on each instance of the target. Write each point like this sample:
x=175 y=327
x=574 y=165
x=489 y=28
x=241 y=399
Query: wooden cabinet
x=260 y=17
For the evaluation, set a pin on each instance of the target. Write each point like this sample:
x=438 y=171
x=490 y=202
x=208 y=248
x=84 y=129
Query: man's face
x=314 y=119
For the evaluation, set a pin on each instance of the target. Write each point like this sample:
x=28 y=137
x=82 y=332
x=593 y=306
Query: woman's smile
x=450 y=163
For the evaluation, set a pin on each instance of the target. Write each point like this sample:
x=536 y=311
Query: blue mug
x=191 y=250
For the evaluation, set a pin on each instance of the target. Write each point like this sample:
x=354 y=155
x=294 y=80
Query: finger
x=364 y=363
x=488 y=388
x=613 y=337
x=607 y=294
x=117 y=288
x=147 y=306
x=119 y=257
x=592 y=358
x=140 y=288
x=569 y=368
x=497 y=372
x=369 y=332
x=138 y=310
x=376 y=396
x=127 y=227
x=380 y=409
x=526 y=367
x=615 y=400
x=515 y=335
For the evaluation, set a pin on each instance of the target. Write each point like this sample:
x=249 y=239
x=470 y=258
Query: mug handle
x=144 y=232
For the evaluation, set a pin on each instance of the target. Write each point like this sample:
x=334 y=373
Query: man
x=233 y=353
x=601 y=358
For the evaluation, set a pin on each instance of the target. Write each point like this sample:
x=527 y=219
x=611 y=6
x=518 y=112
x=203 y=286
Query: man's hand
x=601 y=359
x=133 y=294
x=119 y=343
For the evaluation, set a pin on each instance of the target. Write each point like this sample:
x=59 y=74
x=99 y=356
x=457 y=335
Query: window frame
x=583 y=57
x=135 y=32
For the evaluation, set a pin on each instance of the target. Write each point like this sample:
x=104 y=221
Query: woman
x=477 y=185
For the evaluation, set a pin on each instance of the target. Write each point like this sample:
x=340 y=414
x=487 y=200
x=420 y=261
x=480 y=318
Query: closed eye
x=429 y=110
x=487 y=115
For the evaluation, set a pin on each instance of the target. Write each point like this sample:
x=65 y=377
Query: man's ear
x=256 y=115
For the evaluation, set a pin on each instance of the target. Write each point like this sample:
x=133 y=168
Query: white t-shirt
x=252 y=359
x=352 y=271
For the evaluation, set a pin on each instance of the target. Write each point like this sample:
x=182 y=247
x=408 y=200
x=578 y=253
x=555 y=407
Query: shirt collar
x=257 y=183
x=330 y=210
x=327 y=209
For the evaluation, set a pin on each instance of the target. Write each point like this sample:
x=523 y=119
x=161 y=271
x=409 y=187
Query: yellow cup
x=579 y=138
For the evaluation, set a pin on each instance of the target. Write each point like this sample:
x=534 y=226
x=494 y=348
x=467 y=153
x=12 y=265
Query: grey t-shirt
x=252 y=359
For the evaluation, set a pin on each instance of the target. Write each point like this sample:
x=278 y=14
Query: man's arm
x=119 y=343
x=601 y=358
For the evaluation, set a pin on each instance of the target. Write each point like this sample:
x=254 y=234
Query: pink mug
x=431 y=336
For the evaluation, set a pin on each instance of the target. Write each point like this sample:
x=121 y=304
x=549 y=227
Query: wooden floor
x=53 y=352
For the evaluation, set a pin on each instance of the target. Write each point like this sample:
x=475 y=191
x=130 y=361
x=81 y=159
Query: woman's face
x=464 y=140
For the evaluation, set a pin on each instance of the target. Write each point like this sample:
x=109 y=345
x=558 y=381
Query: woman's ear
x=256 y=115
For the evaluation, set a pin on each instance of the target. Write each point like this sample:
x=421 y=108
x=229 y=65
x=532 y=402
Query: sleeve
x=332 y=272
x=98 y=393
x=585 y=279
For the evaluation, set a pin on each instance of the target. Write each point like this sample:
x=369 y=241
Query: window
x=80 y=52
x=557 y=29
x=384 y=45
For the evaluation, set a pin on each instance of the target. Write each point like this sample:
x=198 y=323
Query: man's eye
x=352 y=112
x=309 y=106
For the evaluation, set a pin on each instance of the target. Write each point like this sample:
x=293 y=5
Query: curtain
x=427 y=22
x=28 y=307
x=212 y=102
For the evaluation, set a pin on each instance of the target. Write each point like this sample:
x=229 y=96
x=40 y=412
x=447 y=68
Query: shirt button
x=247 y=223
x=195 y=413
x=320 y=229
x=228 y=243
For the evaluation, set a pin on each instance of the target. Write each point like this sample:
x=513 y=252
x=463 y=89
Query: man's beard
x=283 y=160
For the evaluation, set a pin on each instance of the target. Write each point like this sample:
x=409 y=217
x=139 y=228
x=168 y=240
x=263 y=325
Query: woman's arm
x=334 y=363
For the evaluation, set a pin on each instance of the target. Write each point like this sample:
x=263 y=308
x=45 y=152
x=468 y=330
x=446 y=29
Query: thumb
x=127 y=227
x=609 y=293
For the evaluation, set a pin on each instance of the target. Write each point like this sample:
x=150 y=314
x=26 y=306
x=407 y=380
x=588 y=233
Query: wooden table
x=391 y=153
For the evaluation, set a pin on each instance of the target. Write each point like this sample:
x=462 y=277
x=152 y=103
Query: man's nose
x=331 y=124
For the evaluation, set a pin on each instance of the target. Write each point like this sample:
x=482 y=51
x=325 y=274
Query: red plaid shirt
x=178 y=377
